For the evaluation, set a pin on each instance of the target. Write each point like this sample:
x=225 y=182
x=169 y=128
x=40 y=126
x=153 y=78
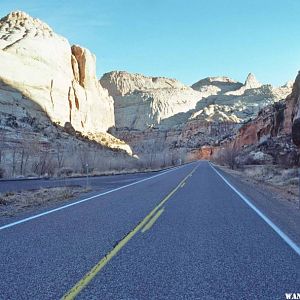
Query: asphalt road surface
x=178 y=234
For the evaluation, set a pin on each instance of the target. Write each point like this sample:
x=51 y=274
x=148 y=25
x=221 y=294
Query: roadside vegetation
x=30 y=154
x=259 y=169
x=12 y=203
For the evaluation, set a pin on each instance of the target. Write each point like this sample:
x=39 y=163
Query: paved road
x=184 y=234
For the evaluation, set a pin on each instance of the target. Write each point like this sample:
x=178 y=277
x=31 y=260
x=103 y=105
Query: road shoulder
x=284 y=213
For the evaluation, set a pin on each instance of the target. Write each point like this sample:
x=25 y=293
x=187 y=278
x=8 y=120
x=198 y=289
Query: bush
x=228 y=156
x=65 y=172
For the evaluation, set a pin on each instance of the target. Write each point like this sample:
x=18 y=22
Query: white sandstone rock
x=142 y=102
x=58 y=80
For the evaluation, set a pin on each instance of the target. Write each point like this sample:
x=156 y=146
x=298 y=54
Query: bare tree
x=60 y=157
x=2 y=144
x=14 y=162
x=43 y=162
x=26 y=146
x=229 y=155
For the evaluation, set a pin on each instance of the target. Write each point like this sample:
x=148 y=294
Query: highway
x=184 y=233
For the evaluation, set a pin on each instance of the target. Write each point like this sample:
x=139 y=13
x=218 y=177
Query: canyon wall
x=143 y=102
x=155 y=113
x=44 y=81
x=272 y=137
x=42 y=73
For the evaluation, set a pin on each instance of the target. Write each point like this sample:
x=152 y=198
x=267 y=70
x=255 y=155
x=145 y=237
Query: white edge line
x=84 y=200
x=291 y=243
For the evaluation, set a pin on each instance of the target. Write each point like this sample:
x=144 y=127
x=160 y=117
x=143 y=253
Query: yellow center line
x=153 y=220
x=81 y=284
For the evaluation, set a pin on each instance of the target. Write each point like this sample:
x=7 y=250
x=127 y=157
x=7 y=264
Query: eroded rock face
x=293 y=111
x=251 y=82
x=155 y=114
x=46 y=74
x=272 y=135
x=143 y=102
x=217 y=85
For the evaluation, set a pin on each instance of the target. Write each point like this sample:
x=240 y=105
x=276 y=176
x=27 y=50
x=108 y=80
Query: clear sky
x=183 y=39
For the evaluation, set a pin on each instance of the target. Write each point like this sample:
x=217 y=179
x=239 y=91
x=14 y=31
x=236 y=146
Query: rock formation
x=251 y=82
x=49 y=75
x=293 y=112
x=239 y=102
x=143 y=102
x=217 y=85
x=272 y=136
x=157 y=114
x=44 y=81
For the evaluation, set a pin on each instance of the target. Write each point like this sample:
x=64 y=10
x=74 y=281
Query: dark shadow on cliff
x=24 y=114
x=223 y=86
x=201 y=104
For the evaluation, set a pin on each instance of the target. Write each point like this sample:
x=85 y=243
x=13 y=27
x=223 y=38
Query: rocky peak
x=141 y=102
x=18 y=25
x=289 y=84
x=120 y=83
x=251 y=82
x=220 y=84
x=61 y=80
x=212 y=80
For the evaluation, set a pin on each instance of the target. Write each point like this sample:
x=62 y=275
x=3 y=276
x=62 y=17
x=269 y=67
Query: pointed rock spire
x=20 y=19
x=251 y=82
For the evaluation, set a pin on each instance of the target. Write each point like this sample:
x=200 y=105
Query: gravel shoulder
x=279 y=203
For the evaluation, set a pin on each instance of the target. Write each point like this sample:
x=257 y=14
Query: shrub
x=65 y=172
x=228 y=156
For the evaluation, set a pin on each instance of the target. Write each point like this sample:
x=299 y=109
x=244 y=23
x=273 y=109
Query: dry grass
x=12 y=203
x=282 y=182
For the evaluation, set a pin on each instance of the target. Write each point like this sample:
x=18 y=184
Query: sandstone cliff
x=269 y=137
x=155 y=115
x=279 y=119
x=234 y=101
x=292 y=114
x=45 y=81
x=217 y=85
x=144 y=102
x=48 y=75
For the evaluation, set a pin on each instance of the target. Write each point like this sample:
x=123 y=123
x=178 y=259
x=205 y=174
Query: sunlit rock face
x=293 y=112
x=272 y=137
x=44 y=73
x=235 y=101
x=217 y=85
x=145 y=102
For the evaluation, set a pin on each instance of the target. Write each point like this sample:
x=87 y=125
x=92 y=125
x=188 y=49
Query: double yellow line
x=144 y=225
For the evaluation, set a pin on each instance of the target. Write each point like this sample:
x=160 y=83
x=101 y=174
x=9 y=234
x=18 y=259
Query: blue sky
x=187 y=40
